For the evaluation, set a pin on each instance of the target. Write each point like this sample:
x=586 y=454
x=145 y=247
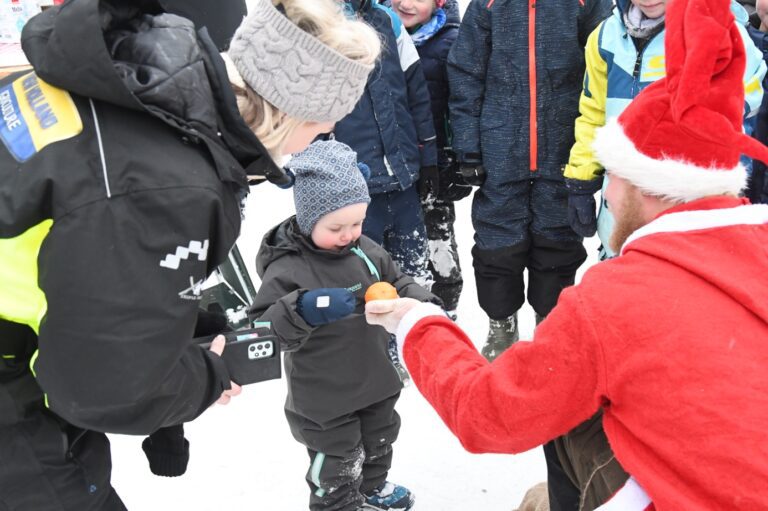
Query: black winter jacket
x=133 y=181
x=340 y=367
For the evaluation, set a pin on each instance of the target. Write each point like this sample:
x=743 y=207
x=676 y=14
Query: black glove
x=472 y=169
x=429 y=181
x=167 y=451
x=453 y=186
x=211 y=322
x=581 y=205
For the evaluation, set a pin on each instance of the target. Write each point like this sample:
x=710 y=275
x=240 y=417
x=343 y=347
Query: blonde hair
x=325 y=20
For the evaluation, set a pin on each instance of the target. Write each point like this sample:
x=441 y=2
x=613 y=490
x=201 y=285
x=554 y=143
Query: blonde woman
x=124 y=163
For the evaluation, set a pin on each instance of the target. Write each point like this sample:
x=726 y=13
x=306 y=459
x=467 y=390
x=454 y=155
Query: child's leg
x=379 y=425
x=336 y=461
x=556 y=251
x=439 y=217
x=407 y=241
x=378 y=218
x=501 y=217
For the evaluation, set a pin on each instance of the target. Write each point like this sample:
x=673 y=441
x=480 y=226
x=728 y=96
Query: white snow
x=243 y=456
x=441 y=257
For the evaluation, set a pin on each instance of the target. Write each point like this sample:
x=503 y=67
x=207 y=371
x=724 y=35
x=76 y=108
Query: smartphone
x=250 y=355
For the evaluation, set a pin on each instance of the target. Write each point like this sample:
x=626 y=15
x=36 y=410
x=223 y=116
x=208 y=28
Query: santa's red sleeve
x=533 y=392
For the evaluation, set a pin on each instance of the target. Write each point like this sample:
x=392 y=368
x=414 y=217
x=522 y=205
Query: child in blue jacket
x=433 y=26
x=392 y=132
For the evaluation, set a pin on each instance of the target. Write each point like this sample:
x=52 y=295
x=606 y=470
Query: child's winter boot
x=502 y=333
x=389 y=497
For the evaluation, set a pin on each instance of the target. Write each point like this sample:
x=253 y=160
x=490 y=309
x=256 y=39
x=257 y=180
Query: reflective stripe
x=32 y=370
x=21 y=300
x=317 y=466
x=101 y=148
x=372 y=267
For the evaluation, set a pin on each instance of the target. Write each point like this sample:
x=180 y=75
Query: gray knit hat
x=327 y=178
x=294 y=70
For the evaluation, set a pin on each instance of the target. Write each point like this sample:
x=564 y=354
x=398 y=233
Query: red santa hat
x=681 y=137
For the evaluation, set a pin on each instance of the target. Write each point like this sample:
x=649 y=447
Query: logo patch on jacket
x=199 y=248
x=35 y=114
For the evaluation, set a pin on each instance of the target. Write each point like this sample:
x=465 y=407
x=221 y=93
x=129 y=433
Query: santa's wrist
x=410 y=319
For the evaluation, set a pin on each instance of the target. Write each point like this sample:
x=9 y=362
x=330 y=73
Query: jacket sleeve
x=276 y=302
x=533 y=392
x=582 y=163
x=122 y=285
x=754 y=72
x=593 y=13
x=418 y=95
x=467 y=65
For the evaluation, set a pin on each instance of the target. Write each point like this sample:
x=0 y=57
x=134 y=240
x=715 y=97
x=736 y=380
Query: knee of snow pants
x=335 y=480
x=499 y=279
x=552 y=267
x=380 y=425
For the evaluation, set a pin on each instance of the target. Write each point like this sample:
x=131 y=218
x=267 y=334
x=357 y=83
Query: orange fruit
x=380 y=291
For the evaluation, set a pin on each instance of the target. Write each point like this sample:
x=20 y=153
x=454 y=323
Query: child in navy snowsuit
x=515 y=74
x=342 y=388
x=434 y=25
x=391 y=131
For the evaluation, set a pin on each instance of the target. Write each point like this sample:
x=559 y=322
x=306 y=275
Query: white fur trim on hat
x=675 y=180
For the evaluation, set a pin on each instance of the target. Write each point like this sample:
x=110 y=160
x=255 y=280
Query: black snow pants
x=519 y=224
x=551 y=268
x=45 y=463
x=349 y=455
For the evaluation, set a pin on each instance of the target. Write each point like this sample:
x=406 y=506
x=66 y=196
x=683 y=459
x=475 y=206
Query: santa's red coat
x=670 y=338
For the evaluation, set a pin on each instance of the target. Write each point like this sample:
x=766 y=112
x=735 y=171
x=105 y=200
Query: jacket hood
x=285 y=239
x=67 y=46
x=134 y=55
x=279 y=241
x=721 y=240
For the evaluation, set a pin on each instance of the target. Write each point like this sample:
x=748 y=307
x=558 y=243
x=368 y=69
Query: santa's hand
x=388 y=313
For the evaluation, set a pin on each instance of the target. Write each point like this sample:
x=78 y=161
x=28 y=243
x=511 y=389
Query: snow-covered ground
x=243 y=456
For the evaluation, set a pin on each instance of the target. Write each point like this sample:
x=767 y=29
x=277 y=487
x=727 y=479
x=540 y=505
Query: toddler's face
x=652 y=8
x=414 y=12
x=339 y=228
